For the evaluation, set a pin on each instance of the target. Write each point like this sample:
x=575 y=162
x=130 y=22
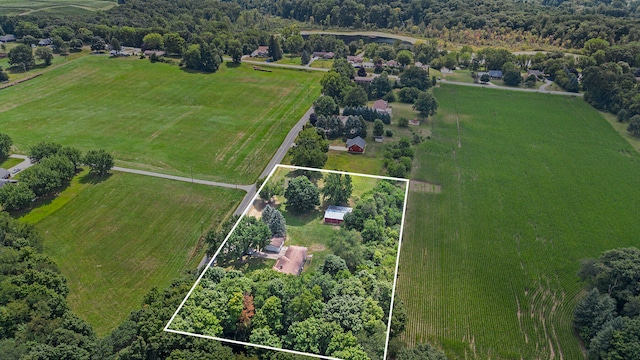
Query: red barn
x=356 y=145
x=334 y=215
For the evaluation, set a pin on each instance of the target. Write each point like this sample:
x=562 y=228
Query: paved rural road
x=541 y=90
x=185 y=179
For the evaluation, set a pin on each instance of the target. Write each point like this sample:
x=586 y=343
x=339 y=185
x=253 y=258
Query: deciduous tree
x=45 y=54
x=99 y=161
x=5 y=146
x=22 y=55
x=337 y=188
x=426 y=105
x=153 y=41
x=310 y=149
x=302 y=195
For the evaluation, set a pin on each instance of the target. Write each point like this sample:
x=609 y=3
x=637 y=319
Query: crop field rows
x=489 y=264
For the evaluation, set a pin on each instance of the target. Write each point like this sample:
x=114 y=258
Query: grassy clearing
x=289 y=60
x=488 y=266
x=15 y=7
x=10 y=162
x=621 y=128
x=224 y=126
x=17 y=73
x=322 y=63
x=116 y=239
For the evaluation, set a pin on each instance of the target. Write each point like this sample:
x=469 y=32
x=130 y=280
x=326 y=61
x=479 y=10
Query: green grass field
x=23 y=7
x=117 y=239
x=9 y=163
x=531 y=184
x=224 y=126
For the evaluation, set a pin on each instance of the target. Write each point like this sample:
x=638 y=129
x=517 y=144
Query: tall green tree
x=5 y=146
x=310 y=149
x=426 y=104
x=16 y=196
x=174 y=43
x=234 y=49
x=380 y=85
x=334 y=84
x=415 y=77
x=275 y=52
x=325 y=106
x=337 y=188
x=302 y=195
x=355 y=96
x=43 y=149
x=45 y=54
x=22 y=55
x=100 y=162
x=274 y=219
x=153 y=41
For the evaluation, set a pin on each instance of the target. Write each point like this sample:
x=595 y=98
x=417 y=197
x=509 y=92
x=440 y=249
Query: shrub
x=403 y=122
x=389 y=133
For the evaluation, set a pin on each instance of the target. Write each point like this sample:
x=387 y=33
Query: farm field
x=15 y=7
x=115 y=240
x=224 y=126
x=530 y=185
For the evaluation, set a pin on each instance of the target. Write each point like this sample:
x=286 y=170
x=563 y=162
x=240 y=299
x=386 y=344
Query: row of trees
x=55 y=166
x=608 y=316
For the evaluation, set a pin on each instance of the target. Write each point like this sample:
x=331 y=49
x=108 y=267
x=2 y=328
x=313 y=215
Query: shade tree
x=100 y=162
x=337 y=188
x=22 y=55
x=45 y=54
x=310 y=149
x=302 y=195
x=426 y=104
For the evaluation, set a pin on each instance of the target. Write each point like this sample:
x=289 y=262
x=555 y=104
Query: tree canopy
x=302 y=195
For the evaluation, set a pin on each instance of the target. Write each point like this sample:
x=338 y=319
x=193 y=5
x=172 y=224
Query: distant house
x=4 y=173
x=159 y=53
x=382 y=106
x=363 y=80
x=355 y=60
x=324 y=55
x=392 y=63
x=415 y=122
x=536 y=73
x=275 y=245
x=495 y=74
x=7 y=38
x=368 y=65
x=446 y=70
x=421 y=65
x=334 y=215
x=45 y=42
x=378 y=139
x=356 y=145
x=292 y=262
x=261 y=51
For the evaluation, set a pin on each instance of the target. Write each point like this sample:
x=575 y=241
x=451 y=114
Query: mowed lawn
x=117 y=239
x=224 y=126
x=531 y=184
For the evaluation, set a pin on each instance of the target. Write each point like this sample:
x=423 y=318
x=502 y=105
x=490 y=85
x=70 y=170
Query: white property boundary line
x=395 y=277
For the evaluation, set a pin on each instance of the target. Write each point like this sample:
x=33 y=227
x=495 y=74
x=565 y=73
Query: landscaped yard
x=489 y=265
x=224 y=126
x=116 y=239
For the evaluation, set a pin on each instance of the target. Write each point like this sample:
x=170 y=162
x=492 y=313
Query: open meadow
x=68 y=7
x=530 y=185
x=224 y=126
x=116 y=239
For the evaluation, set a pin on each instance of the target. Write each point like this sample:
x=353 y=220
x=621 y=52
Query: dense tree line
x=484 y=22
x=54 y=167
x=35 y=319
x=607 y=318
